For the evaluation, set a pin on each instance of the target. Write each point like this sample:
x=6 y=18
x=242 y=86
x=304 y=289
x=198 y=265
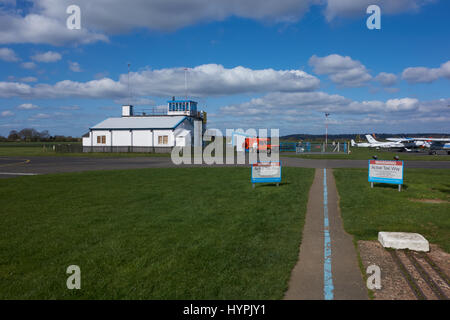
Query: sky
x=278 y=64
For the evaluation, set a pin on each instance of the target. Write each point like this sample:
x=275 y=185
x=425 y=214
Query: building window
x=101 y=139
x=163 y=139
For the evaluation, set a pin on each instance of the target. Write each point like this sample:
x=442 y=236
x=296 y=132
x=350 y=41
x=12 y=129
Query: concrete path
x=59 y=164
x=327 y=267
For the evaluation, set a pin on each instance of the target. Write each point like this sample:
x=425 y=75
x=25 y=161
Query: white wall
x=121 y=138
x=97 y=133
x=87 y=141
x=142 y=138
x=169 y=133
x=183 y=140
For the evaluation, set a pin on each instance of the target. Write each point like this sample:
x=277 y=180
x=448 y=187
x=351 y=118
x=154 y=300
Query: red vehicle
x=258 y=144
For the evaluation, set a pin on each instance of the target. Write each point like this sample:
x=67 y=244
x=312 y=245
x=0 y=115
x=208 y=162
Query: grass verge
x=367 y=153
x=367 y=211
x=175 y=233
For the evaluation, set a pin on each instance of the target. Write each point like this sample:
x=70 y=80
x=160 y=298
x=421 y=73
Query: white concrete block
x=403 y=240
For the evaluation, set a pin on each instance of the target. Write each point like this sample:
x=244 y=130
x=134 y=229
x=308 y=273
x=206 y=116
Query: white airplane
x=372 y=143
x=433 y=143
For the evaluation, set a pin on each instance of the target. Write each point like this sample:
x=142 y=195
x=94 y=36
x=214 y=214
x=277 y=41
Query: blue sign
x=264 y=172
x=386 y=171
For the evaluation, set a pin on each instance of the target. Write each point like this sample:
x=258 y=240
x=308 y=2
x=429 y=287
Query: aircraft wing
x=433 y=139
x=418 y=139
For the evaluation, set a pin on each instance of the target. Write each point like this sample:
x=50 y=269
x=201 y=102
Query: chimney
x=127 y=111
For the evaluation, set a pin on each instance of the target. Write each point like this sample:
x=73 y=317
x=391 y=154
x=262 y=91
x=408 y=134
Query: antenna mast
x=185 y=83
x=129 y=87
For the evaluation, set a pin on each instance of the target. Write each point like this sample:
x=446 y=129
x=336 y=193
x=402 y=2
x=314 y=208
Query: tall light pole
x=129 y=87
x=185 y=83
x=326 y=130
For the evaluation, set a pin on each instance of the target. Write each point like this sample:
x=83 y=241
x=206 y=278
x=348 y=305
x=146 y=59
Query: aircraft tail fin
x=370 y=139
x=353 y=143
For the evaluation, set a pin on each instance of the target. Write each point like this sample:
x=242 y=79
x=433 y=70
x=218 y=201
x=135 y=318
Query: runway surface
x=17 y=166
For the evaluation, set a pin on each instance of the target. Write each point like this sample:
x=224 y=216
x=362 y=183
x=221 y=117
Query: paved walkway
x=327 y=267
x=16 y=166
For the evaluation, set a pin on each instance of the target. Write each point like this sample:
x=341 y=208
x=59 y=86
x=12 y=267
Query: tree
x=13 y=135
x=44 y=135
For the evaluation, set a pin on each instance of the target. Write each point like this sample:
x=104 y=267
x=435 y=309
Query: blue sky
x=251 y=64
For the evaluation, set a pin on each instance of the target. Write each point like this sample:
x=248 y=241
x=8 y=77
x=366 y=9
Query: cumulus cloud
x=70 y=108
x=28 y=79
x=28 y=65
x=346 y=8
x=7 y=113
x=47 y=57
x=27 y=106
x=38 y=28
x=203 y=80
x=306 y=102
x=386 y=79
x=74 y=66
x=343 y=71
x=45 y=20
x=8 y=55
x=426 y=75
x=304 y=112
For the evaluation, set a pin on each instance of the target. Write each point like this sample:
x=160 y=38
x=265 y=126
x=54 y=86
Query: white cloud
x=49 y=56
x=203 y=80
x=426 y=75
x=343 y=71
x=27 y=106
x=28 y=65
x=41 y=116
x=7 y=54
x=386 y=79
x=70 y=108
x=405 y=104
x=304 y=112
x=346 y=8
x=74 y=66
x=37 y=28
x=7 y=113
x=280 y=103
x=45 y=21
x=46 y=116
x=28 y=79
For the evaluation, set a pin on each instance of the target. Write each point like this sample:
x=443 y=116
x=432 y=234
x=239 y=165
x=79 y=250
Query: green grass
x=367 y=211
x=367 y=153
x=175 y=233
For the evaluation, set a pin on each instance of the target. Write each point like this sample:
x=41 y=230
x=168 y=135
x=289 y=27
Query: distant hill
x=381 y=136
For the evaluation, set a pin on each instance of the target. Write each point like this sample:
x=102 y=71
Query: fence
x=308 y=147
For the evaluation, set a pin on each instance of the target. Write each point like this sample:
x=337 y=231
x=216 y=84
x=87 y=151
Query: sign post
x=386 y=171
x=266 y=172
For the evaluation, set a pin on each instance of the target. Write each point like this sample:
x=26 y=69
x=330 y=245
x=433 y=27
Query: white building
x=148 y=133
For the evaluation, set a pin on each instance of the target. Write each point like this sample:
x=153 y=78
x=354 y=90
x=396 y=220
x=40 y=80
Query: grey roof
x=163 y=122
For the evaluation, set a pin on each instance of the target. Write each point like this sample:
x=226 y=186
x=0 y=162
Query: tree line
x=33 y=135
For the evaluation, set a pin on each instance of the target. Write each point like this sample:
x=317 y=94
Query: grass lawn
x=175 y=233
x=366 y=211
x=367 y=153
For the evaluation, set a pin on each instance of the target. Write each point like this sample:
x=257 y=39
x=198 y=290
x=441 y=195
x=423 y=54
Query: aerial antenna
x=129 y=87
x=185 y=83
